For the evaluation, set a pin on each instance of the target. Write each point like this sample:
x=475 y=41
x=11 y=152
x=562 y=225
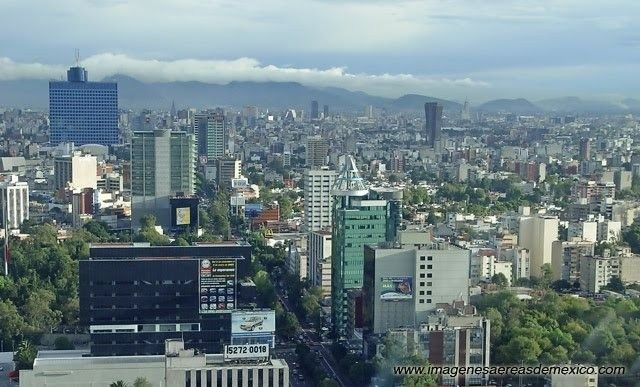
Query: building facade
x=83 y=112
x=211 y=134
x=320 y=260
x=162 y=166
x=134 y=297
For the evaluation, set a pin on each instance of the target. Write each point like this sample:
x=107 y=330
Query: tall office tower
x=317 y=151
x=585 y=149
x=315 y=112
x=393 y=196
x=211 y=131
x=325 y=111
x=79 y=170
x=465 y=114
x=83 y=112
x=433 y=117
x=537 y=233
x=14 y=202
x=357 y=221
x=318 y=200
x=162 y=166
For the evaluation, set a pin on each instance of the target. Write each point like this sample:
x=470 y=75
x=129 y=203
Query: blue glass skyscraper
x=83 y=112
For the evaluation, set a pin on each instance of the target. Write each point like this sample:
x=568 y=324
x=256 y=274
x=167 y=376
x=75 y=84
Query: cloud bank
x=241 y=69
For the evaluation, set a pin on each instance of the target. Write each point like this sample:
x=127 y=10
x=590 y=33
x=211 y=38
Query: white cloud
x=241 y=69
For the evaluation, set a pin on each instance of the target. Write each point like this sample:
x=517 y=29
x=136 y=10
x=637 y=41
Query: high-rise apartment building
x=162 y=166
x=211 y=133
x=316 y=151
x=433 y=126
x=596 y=272
x=585 y=149
x=318 y=200
x=537 y=234
x=566 y=257
x=14 y=202
x=357 y=221
x=83 y=112
x=228 y=170
x=78 y=170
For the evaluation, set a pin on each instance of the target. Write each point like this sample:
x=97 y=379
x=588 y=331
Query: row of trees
x=556 y=329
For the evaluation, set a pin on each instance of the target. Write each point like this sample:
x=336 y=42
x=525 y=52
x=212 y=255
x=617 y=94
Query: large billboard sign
x=246 y=351
x=217 y=281
x=252 y=323
x=396 y=288
x=183 y=216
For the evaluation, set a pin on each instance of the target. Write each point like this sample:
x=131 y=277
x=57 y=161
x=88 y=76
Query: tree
x=11 y=322
x=500 y=280
x=119 y=383
x=63 y=343
x=286 y=207
x=25 y=355
x=615 y=285
x=142 y=382
x=38 y=310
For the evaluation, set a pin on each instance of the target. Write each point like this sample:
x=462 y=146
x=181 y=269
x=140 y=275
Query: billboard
x=396 y=288
x=253 y=323
x=217 y=282
x=246 y=351
x=183 y=216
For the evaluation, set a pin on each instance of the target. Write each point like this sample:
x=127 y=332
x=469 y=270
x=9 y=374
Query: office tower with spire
x=433 y=126
x=357 y=221
x=211 y=131
x=162 y=166
x=83 y=112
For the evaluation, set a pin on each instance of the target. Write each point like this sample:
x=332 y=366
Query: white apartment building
x=597 y=272
x=80 y=171
x=318 y=201
x=485 y=264
x=14 y=201
x=537 y=234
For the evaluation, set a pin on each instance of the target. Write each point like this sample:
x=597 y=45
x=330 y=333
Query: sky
x=456 y=49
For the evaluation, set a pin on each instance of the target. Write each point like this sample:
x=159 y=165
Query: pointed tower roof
x=348 y=182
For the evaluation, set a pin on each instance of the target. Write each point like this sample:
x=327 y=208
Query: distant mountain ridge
x=136 y=95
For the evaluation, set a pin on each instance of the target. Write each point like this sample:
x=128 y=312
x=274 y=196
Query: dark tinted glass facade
x=134 y=298
x=83 y=112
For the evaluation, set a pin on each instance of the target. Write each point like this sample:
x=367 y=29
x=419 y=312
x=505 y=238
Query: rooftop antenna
x=77 y=57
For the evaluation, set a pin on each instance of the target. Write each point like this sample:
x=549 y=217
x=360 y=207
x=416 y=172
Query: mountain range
x=134 y=94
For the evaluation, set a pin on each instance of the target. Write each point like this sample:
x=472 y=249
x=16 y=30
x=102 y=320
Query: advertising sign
x=246 y=351
x=217 y=285
x=183 y=216
x=253 y=323
x=396 y=288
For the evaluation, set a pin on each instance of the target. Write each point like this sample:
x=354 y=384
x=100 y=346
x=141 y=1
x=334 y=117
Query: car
x=251 y=323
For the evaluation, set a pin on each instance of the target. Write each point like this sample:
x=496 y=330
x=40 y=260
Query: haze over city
x=451 y=49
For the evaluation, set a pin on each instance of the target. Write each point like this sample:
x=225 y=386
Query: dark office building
x=133 y=297
x=325 y=111
x=433 y=116
x=315 y=112
x=83 y=112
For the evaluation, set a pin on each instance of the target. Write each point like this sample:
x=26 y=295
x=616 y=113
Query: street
x=326 y=358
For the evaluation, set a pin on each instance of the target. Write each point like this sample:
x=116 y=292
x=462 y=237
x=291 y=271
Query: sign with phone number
x=246 y=351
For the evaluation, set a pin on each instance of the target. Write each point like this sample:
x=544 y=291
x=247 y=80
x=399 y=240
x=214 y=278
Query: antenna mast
x=77 y=57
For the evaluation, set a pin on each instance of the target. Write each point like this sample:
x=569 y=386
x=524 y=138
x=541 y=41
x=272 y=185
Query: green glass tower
x=357 y=221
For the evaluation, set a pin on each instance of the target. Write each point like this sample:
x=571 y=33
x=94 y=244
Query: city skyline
x=540 y=50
